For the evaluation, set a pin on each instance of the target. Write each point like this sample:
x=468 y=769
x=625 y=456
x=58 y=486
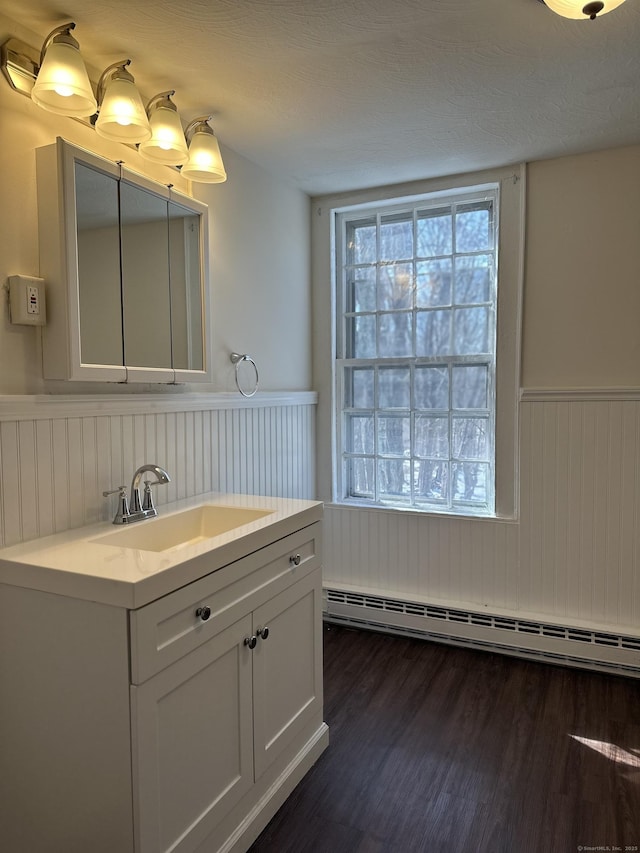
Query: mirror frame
x=57 y=216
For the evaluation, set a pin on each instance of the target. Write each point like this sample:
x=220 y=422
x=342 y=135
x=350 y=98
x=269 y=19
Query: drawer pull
x=203 y=612
x=263 y=632
x=295 y=560
x=252 y=642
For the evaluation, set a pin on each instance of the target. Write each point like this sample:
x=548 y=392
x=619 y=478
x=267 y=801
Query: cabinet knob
x=251 y=642
x=203 y=612
x=295 y=560
x=263 y=632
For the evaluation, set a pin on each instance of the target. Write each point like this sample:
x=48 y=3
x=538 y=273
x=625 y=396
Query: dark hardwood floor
x=436 y=748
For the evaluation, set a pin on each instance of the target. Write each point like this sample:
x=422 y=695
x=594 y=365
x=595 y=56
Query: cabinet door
x=144 y=265
x=287 y=668
x=192 y=733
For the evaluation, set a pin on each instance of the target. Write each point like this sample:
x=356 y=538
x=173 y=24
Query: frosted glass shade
x=574 y=8
x=62 y=85
x=122 y=116
x=167 y=143
x=205 y=161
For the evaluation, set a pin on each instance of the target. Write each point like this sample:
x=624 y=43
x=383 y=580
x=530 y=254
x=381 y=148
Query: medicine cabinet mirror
x=125 y=261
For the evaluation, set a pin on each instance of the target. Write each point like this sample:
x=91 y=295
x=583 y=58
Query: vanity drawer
x=165 y=630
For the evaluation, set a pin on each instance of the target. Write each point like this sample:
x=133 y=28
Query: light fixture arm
x=63 y=34
x=163 y=96
x=198 y=125
x=120 y=69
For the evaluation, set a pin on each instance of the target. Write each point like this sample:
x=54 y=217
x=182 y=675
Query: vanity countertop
x=74 y=564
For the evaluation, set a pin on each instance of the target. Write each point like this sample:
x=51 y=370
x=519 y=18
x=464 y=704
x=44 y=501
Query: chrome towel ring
x=237 y=359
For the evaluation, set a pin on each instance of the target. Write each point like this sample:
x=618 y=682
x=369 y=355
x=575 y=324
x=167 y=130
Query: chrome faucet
x=146 y=506
x=138 y=509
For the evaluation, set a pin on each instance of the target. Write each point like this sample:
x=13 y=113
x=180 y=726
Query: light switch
x=26 y=299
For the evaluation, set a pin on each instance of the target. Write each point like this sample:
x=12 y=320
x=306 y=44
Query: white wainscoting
x=423 y=557
x=571 y=558
x=58 y=454
x=580 y=510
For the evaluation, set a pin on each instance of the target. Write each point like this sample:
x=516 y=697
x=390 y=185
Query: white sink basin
x=182 y=528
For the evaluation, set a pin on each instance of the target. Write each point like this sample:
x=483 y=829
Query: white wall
x=259 y=264
x=260 y=246
x=572 y=555
x=582 y=296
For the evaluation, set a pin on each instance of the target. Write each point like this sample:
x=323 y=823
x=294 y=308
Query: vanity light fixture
x=579 y=9
x=167 y=144
x=56 y=79
x=205 y=161
x=62 y=85
x=121 y=113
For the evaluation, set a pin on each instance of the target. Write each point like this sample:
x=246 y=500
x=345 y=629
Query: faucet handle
x=120 y=490
x=122 y=513
x=147 y=500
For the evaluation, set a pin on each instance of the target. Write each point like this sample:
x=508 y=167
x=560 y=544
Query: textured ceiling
x=334 y=95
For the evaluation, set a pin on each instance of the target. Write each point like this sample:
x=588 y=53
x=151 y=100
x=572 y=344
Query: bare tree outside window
x=416 y=353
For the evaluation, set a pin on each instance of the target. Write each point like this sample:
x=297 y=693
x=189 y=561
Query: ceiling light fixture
x=205 y=161
x=167 y=144
x=62 y=85
x=121 y=113
x=578 y=9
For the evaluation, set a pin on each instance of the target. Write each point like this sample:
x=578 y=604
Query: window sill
x=421 y=513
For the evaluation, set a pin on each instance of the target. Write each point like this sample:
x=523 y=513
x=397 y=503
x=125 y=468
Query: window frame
x=511 y=252
x=345 y=361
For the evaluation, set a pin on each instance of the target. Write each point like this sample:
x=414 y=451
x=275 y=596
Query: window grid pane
x=418 y=337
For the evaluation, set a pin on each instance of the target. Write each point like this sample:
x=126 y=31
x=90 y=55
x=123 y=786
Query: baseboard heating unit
x=542 y=641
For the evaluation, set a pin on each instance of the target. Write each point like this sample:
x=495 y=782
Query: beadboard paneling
x=58 y=456
x=572 y=557
x=424 y=557
x=580 y=522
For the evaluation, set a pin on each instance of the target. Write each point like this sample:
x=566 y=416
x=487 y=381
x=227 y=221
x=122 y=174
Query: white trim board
x=43 y=406
x=575 y=395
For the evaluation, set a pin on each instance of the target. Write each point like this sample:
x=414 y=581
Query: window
x=416 y=300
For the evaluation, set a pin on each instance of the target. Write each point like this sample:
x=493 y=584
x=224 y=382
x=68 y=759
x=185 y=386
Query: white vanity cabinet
x=181 y=725
x=209 y=726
